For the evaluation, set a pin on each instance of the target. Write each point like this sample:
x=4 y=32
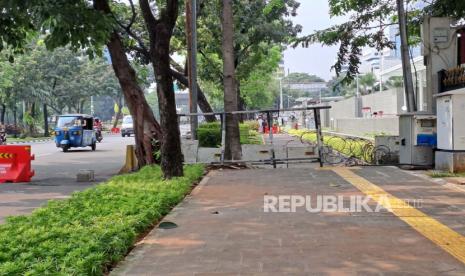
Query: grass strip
x=94 y=229
x=444 y=174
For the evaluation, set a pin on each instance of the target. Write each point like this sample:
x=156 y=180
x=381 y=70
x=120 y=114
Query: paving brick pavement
x=223 y=230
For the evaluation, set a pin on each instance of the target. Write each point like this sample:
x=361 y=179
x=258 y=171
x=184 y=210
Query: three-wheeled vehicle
x=75 y=131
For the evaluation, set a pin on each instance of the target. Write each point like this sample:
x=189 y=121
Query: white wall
x=367 y=126
x=342 y=115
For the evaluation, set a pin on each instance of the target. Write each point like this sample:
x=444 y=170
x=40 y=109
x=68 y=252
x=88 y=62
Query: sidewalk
x=222 y=228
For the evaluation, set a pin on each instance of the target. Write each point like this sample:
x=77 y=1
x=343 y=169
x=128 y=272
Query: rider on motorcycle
x=2 y=134
x=98 y=128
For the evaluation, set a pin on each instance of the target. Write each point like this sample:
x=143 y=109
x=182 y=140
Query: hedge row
x=91 y=231
x=209 y=135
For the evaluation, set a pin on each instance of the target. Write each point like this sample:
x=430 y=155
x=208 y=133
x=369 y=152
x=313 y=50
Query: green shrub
x=253 y=124
x=244 y=132
x=95 y=228
x=209 y=135
x=211 y=125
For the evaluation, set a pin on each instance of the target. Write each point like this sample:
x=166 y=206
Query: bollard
x=131 y=160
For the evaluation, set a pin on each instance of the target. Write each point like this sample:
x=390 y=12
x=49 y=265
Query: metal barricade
x=272 y=160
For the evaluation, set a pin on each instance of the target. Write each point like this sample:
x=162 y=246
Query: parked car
x=127 y=128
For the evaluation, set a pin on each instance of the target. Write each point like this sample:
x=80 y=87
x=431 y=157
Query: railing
x=272 y=160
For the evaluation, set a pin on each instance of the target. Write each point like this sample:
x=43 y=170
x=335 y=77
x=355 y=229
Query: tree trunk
x=202 y=100
x=117 y=116
x=146 y=127
x=46 y=132
x=32 y=115
x=240 y=103
x=15 y=122
x=119 y=113
x=160 y=32
x=171 y=155
x=2 y=116
x=233 y=150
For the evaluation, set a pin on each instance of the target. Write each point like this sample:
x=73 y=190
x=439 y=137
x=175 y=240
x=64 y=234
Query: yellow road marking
x=446 y=238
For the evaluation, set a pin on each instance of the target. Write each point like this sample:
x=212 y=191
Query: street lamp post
x=281 y=104
x=191 y=20
x=92 y=105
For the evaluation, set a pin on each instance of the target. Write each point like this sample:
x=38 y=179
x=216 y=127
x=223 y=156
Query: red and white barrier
x=15 y=163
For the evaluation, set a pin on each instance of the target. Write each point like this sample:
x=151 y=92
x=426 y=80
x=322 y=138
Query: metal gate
x=272 y=159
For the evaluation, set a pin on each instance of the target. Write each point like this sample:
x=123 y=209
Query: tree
x=7 y=81
x=259 y=26
x=367 y=81
x=395 y=82
x=53 y=79
x=146 y=127
x=160 y=32
x=261 y=88
x=367 y=21
x=84 y=25
x=136 y=37
x=302 y=78
x=336 y=87
x=233 y=150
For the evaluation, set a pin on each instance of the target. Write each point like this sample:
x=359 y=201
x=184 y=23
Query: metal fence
x=269 y=115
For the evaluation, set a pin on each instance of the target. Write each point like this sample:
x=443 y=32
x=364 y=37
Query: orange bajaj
x=75 y=131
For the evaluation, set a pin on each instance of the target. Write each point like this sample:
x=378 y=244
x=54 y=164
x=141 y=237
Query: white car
x=127 y=128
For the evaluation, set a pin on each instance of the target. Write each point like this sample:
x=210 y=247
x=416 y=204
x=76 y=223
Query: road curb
x=30 y=141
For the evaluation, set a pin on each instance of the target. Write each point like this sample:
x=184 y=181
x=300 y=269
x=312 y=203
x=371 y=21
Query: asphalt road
x=55 y=173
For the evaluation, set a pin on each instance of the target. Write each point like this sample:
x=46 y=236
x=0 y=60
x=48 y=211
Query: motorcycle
x=2 y=136
x=98 y=134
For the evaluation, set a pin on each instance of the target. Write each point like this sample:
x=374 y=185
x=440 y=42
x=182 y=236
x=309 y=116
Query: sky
x=317 y=59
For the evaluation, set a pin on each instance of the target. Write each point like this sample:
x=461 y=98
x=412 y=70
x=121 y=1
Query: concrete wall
x=365 y=126
x=342 y=117
x=343 y=109
x=389 y=101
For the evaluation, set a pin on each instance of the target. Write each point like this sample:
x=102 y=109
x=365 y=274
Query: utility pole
x=92 y=105
x=381 y=71
x=406 y=69
x=281 y=104
x=358 y=100
x=191 y=23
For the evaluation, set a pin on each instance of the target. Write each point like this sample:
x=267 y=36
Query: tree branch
x=202 y=100
x=149 y=18
x=176 y=65
x=127 y=28
x=220 y=74
x=172 y=9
